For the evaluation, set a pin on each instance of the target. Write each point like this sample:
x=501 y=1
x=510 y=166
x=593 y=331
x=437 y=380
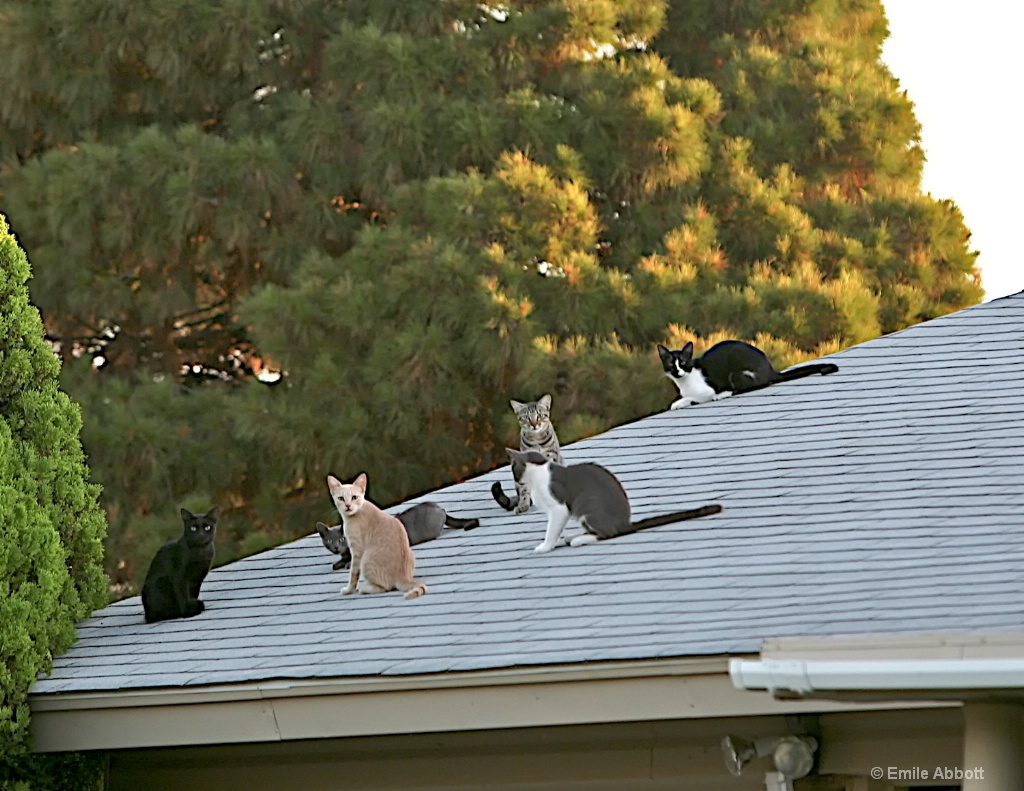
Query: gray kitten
x=536 y=432
x=423 y=522
x=588 y=493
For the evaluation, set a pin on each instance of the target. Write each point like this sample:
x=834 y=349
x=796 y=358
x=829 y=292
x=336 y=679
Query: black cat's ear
x=186 y=515
x=687 y=350
x=333 y=484
x=322 y=529
x=212 y=514
x=664 y=353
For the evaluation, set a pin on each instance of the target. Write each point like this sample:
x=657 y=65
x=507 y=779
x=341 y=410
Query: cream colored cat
x=381 y=558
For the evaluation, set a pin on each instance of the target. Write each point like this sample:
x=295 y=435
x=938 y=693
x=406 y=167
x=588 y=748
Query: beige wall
x=670 y=754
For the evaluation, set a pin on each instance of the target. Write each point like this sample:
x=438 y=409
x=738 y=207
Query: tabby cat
x=381 y=558
x=171 y=589
x=423 y=522
x=725 y=369
x=535 y=433
x=588 y=493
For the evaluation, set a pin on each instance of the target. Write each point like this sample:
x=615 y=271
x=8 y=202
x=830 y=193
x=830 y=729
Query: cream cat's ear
x=360 y=483
x=334 y=485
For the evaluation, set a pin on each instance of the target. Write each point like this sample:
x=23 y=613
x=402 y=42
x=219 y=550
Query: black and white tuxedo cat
x=727 y=368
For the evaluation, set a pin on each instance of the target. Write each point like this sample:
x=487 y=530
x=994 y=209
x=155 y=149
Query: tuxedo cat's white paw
x=679 y=403
x=544 y=546
x=583 y=539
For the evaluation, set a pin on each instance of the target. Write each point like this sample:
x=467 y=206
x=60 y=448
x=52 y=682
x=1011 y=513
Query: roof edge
x=285 y=688
x=582 y=694
x=911 y=646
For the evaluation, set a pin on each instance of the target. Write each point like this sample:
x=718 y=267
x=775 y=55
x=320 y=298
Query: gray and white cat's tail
x=412 y=589
x=807 y=370
x=678 y=516
x=455 y=523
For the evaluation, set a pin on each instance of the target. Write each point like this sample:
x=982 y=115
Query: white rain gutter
x=792 y=677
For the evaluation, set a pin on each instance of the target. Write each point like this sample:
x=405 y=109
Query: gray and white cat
x=423 y=522
x=588 y=493
x=537 y=433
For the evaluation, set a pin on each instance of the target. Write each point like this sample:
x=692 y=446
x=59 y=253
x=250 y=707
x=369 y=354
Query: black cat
x=171 y=589
x=725 y=369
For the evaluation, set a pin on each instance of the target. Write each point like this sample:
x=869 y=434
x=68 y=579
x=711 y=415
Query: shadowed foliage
x=274 y=240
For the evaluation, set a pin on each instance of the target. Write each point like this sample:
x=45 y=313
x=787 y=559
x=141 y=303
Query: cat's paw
x=521 y=509
x=679 y=403
x=347 y=590
x=544 y=546
x=583 y=539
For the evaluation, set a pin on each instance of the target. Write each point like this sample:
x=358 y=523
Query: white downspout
x=805 y=677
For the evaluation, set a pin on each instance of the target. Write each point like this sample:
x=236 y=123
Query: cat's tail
x=678 y=516
x=454 y=523
x=505 y=502
x=807 y=370
x=412 y=589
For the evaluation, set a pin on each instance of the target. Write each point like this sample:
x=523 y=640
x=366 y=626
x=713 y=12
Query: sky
x=961 y=65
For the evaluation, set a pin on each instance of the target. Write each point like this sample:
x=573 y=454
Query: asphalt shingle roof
x=887 y=498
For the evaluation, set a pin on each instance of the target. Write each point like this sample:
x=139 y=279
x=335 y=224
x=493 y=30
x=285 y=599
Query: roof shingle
x=887 y=498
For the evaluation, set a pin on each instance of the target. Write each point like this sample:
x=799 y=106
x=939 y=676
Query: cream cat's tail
x=412 y=588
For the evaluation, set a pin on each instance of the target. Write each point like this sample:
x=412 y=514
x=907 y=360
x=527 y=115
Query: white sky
x=960 y=63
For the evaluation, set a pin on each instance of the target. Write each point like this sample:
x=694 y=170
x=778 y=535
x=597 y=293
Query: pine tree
x=51 y=551
x=299 y=237
x=817 y=185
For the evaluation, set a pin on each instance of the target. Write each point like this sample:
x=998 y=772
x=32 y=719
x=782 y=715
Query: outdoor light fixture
x=793 y=757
